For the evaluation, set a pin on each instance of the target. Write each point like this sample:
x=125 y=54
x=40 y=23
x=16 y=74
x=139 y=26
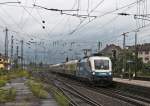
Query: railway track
x=75 y=98
x=45 y=78
x=125 y=96
x=80 y=94
x=130 y=96
x=133 y=99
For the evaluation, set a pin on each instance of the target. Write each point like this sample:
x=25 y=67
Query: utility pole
x=6 y=43
x=17 y=50
x=35 y=58
x=136 y=54
x=124 y=40
x=12 y=46
x=99 y=46
x=22 y=54
x=124 y=52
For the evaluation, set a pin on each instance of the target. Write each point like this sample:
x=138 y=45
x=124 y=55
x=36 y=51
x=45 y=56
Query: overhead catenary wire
x=61 y=21
x=112 y=37
x=35 y=19
x=87 y=17
x=10 y=2
x=3 y=21
x=131 y=31
x=31 y=15
x=66 y=24
x=109 y=22
x=54 y=9
x=12 y=19
x=30 y=7
x=23 y=14
x=17 y=26
x=82 y=25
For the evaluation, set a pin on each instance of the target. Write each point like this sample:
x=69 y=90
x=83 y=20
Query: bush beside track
x=60 y=97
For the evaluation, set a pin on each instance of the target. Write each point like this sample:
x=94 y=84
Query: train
x=94 y=69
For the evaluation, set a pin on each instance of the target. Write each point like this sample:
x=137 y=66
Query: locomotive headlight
x=110 y=73
x=93 y=72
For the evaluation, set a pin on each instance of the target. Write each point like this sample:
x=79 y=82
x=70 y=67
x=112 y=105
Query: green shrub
x=43 y=94
x=23 y=73
x=61 y=99
x=37 y=89
x=7 y=95
x=2 y=83
x=14 y=74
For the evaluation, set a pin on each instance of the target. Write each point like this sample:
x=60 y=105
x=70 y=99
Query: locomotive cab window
x=101 y=64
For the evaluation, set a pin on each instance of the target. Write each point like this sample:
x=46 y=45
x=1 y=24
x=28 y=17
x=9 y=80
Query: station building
x=4 y=62
x=143 y=51
x=109 y=48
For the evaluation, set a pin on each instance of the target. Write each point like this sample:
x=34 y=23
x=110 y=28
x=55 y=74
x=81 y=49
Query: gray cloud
x=26 y=19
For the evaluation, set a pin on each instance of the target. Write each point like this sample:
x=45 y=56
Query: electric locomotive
x=97 y=69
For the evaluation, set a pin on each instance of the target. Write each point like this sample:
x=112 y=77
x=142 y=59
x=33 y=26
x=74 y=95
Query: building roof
x=141 y=47
x=111 y=46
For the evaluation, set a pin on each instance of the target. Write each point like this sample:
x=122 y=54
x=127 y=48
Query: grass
x=7 y=95
x=36 y=86
x=2 y=82
x=16 y=74
x=61 y=99
x=4 y=78
x=37 y=89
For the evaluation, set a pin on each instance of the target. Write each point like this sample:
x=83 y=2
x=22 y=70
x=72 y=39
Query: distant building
x=107 y=51
x=143 y=51
x=4 y=62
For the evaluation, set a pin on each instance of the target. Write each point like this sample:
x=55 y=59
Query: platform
x=133 y=82
x=24 y=96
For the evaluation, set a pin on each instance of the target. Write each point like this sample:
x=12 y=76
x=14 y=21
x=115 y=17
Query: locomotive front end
x=101 y=69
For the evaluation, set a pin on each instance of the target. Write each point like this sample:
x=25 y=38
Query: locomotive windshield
x=101 y=64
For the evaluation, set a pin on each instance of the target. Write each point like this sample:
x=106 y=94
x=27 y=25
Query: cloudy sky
x=66 y=35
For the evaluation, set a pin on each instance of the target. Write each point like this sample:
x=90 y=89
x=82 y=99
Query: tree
x=129 y=56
